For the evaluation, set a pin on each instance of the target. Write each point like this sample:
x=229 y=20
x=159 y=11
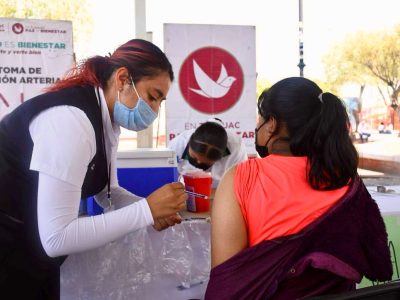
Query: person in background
x=389 y=128
x=364 y=130
x=210 y=148
x=59 y=148
x=298 y=221
x=381 y=127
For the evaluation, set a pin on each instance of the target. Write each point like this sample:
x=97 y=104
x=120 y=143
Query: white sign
x=215 y=76
x=33 y=55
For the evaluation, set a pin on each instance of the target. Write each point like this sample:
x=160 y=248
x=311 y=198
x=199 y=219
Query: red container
x=200 y=183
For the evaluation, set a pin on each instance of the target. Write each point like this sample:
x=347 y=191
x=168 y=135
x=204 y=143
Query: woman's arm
x=62 y=232
x=228 y=229
x=120 y=197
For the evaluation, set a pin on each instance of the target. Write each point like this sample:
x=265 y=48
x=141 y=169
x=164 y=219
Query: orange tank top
x=275 y=197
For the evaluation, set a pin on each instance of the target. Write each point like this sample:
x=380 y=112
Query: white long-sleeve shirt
x=64 y=144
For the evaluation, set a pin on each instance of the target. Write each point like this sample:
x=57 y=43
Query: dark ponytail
x=318 y=127
x=333 y=159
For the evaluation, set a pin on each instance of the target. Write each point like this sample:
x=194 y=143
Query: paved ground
x=384 y=180
x=384 y=147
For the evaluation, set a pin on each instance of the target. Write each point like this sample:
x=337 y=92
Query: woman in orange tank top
x=287 y=224
x=307 y=161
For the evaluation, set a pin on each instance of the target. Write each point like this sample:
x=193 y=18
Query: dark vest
x=18 y=184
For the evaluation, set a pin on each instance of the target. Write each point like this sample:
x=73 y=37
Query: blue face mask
x=138 y=118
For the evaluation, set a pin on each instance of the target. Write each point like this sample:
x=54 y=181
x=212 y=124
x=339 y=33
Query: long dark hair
x=140 y=57
x=318 y=127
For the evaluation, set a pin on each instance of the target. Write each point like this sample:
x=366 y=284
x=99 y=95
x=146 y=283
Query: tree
x=372 y=58
x=381 y=59
x=341 y=68
x=71 y=10
x=262 y=84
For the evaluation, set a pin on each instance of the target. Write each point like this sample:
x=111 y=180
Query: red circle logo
x=17 y=28
x=211 y=80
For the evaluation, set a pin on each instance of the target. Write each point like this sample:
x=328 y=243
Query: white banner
x=33 y=55
x=215 y=70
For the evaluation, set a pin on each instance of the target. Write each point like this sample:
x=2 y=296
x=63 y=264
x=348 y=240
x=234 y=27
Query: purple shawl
x=331 y=255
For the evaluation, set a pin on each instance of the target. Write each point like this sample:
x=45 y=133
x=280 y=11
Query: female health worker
x=210 y=148
x=60 y=147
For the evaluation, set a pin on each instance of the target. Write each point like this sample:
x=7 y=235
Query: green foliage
x=8 y=8
x=342 y=65
x=262 y=84
x=326 y=86
x=366 y=58
x=76 y=11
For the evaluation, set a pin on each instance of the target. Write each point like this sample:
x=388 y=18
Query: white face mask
x=138 y=118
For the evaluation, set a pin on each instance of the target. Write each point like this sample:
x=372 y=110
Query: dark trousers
x=23 y=274
x=364 y=137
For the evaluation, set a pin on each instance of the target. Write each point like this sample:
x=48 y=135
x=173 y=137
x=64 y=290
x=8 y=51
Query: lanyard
x=105 y=154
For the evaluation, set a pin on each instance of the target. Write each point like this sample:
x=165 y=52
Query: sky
x=326 y=22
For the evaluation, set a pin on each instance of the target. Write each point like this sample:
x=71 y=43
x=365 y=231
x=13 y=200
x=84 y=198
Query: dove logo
x=211 y=80
x=210 y=88
x=17 y=28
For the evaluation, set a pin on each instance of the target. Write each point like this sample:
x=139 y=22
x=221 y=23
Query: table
x=389 y=205
x=145 y=264
x=152 y=265
x=389 y=202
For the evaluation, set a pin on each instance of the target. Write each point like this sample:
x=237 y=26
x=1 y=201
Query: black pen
x=196 y=194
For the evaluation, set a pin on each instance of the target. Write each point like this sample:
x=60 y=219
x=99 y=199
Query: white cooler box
x=142 y=171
